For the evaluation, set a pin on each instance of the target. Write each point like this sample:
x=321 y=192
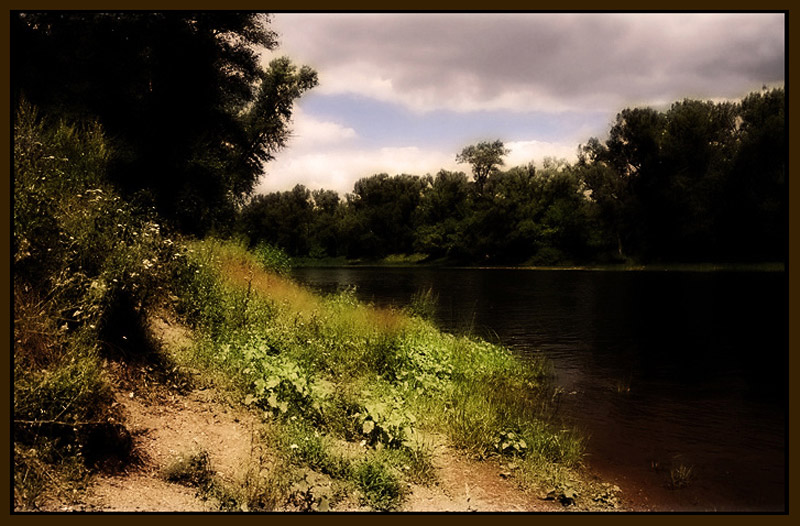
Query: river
x=659 y=369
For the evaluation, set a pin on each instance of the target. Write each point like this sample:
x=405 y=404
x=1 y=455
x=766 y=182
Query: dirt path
x=469 y=485
x=173 y=426
x=165 y=424
x=168 y=426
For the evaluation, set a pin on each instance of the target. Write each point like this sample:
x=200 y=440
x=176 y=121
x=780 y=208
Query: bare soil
x=165 y=430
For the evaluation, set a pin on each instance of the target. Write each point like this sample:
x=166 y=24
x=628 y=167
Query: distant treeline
x=701 y=181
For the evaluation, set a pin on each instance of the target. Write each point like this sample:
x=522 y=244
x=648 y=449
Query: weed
x=379 y=485
x=191 y=468
x=423 y=304
x=680 y=476
x=46 y=473
x=414 y=461
x=262 y=484
x=273 y=259
x=305 y=445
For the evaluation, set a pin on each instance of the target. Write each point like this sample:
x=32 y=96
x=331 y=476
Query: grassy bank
x=352 y=398
x=361 y=393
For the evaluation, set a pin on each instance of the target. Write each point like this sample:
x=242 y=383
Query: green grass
x=381 y=487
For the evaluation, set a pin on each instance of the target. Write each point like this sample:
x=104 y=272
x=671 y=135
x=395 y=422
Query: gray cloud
x=578 y=61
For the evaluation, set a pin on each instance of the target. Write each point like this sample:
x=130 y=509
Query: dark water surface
x=660 y=369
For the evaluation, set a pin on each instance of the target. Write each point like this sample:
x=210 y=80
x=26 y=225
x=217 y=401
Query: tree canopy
x=484 y=157
x=192 y=111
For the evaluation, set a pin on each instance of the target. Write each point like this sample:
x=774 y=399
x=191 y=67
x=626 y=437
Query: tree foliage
x=191 y=112
x=484 y=158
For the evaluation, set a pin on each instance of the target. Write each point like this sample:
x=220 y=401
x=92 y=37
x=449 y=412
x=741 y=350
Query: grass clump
x=191 y=468
x=423 y=304
x=680 y=476
x=273 y=259
x=380 y=486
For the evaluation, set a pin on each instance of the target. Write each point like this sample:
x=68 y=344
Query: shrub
x=86 y=267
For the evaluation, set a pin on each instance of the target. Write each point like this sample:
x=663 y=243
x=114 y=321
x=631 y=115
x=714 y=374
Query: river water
x=659 y=369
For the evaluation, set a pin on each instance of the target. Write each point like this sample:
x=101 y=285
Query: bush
x=273 y=259
x=87 y=265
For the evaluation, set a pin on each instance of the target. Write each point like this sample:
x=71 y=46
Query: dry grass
x=247 y=274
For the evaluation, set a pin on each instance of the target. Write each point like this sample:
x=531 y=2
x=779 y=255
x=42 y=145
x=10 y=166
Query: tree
x=381 y=208
x=192 y=113
x=611 y=194
x=280 y=218
x=755 y=195
x=484 y=158
x=440 y=214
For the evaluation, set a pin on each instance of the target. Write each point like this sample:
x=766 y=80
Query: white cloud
x=523 y=152
x=310 y=132
x=476 y=63
x=338 y=169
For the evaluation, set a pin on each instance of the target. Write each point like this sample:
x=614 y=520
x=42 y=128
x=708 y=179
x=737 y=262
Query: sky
x=404 y=93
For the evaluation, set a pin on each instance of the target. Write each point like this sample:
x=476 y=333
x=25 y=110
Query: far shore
x=418 y=262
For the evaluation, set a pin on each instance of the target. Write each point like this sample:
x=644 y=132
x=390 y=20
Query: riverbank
x=352 y=407
x=656 y=368
x=346 y=396
x=421 y=261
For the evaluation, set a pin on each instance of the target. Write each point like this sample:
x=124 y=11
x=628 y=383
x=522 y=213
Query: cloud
x=528 y=62
x=523 y=152
x=309 y=131
x=402 y=93
x=339 y=168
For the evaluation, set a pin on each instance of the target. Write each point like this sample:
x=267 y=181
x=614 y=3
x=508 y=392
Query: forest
x=699 y=182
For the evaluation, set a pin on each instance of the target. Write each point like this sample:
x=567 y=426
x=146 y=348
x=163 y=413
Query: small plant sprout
x=680 y=476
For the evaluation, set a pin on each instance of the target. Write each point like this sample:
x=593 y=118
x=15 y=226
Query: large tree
x=192 y=111
x=484 y=158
